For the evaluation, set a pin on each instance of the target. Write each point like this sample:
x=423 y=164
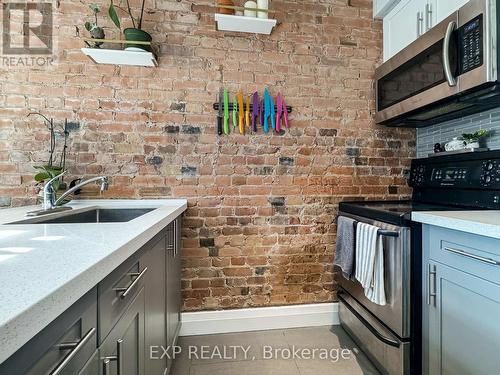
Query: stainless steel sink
x=97 y=215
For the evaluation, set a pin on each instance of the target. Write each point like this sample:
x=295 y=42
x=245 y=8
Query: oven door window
x=420 y=73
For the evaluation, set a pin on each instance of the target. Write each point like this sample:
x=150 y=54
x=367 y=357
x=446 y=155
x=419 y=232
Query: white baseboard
x=259 y=318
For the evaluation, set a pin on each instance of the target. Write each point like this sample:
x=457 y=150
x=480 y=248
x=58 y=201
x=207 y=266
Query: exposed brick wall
x=259 y=229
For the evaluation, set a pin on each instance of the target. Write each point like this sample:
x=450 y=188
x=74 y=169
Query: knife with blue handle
x=267 y=110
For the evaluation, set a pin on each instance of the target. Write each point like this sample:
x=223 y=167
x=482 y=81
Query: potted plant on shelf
x=472 y=139
x=134 y=33
x=96 y=32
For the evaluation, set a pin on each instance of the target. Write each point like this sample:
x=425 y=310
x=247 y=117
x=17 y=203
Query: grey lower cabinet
x=461 y=315
x=121 y=326
x=123 y=351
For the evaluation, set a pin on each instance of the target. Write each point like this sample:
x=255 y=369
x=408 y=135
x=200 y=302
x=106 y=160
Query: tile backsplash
x=444 y=132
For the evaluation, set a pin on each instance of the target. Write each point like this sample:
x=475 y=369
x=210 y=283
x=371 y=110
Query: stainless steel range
x=391 y=334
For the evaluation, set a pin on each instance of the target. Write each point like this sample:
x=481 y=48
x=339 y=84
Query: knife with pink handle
x=279 y=110
x=285 y=113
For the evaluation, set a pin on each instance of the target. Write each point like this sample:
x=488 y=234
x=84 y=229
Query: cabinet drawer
x=63 y=347
x=470 y=253
x=118 y=289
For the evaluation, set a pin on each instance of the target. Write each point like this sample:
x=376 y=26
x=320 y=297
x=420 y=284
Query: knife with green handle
x=226 y=112
x=235 y=113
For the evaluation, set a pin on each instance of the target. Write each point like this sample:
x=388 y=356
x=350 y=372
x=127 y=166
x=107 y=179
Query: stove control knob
x=486 y=179
x=489 y=166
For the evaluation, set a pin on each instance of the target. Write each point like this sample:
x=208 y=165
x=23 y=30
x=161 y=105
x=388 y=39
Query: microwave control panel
x=471 y=45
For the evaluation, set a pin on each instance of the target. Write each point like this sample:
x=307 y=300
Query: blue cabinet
x=461 y=314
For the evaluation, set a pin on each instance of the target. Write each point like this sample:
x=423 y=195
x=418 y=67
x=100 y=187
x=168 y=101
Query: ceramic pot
x=473 y=144
x=225 y=10
x=139 y=36
x=262 y=4
x=97 y=33
x=455 y=144
x=249 y=12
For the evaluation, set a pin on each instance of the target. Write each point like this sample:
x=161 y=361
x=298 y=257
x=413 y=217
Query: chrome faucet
x=50 y=203
x=104 y=187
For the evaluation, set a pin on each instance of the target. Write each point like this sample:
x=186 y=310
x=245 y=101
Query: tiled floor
x=271 y=353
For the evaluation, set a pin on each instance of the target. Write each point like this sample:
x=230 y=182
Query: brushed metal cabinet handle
x=428 y=16
x=118 y=358
x=431 y=285
x=125 y=291
x=77 y=346
x=175 y=238
x=420 y=23
x=472 y=256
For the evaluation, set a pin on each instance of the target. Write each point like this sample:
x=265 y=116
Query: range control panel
x=471 y=174
x=459 y=177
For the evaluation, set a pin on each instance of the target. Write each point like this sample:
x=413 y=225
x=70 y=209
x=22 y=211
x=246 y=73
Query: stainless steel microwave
x=449 y=72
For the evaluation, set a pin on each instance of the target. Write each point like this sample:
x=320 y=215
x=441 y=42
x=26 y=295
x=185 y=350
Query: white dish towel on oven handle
x=370 y=262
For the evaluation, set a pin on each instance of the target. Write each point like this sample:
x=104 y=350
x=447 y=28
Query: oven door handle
x=372 y=329
x=446 y=54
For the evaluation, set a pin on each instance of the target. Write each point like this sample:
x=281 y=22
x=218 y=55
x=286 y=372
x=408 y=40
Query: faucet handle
x=49 y=183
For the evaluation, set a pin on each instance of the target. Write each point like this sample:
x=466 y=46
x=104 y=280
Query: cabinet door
x=463 y=330
x=445 y=8
x=124 y=346
x=404 y=24
x=92 y=365
x=156 y=330
x=173 y=281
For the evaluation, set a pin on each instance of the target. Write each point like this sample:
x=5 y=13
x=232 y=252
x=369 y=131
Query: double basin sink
x=95 y=215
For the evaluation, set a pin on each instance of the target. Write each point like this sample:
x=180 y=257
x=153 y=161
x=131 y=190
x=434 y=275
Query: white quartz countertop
x=484 y=223
x=45 y=268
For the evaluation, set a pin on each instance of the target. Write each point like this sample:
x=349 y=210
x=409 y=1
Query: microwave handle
x=446 y=54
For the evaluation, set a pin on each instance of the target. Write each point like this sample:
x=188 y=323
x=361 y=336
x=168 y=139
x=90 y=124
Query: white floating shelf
x=242 y=24
x=120 y=57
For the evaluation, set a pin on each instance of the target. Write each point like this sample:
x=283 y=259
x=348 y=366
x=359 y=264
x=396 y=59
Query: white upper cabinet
x=409 y=19
x=403 y=25
x=445 y=8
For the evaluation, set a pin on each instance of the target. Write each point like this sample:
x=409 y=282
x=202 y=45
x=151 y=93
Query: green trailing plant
x=56 y=164
x=476 y=136
x=96 y=32
x=136 y=22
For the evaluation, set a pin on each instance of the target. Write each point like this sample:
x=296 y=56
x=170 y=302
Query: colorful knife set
x=261 y=111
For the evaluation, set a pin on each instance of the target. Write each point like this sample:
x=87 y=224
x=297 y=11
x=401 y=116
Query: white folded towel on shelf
x=369 y=270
